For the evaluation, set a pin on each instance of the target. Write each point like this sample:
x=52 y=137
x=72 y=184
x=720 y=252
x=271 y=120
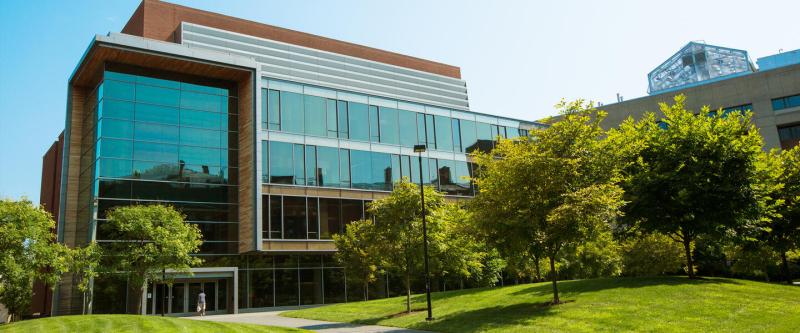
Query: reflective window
x=156 y=133
x=201 y=155
x=342 y=114
x=329 y=219
x=200 y=101
x=291 y=112
x=344 y=168
x=281 y=167
x=312 y=216
x=116 y=109
x=115 y=148
x=201 y=137
x=456 y=135
x=114 y=168
x=264 y=161
x=421 y=132
x=158 y=95
x=374 y=125
x=328 y=166
x=444 y=133
x=361 y=169
x=785 y=102
x=112 y=128
x=311 y=165
x=789 y=136
x=299 y=167
x=315 y=115
x=408 y=128
x=469 y=139
x=273 y=117
x=381 y=172
x=430 y=132
x=389 y=130
x=157 y=114
x=359 y=121
x=352 y=210
x=147 y=151
x=276 y=216
x=119 y=90
x=331 y=118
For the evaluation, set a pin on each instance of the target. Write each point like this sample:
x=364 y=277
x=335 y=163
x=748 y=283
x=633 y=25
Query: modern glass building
x=269 y=140
x=697 y=63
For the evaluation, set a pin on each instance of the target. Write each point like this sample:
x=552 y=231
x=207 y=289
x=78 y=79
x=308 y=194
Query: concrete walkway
x=272 y=318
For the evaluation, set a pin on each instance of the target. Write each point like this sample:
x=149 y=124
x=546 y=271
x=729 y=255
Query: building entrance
x=180 y=299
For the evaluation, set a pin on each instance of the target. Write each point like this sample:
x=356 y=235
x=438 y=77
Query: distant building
x=724 y=78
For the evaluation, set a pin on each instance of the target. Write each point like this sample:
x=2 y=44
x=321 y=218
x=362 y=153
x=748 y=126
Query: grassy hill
x=132 y=323
x=662 y=304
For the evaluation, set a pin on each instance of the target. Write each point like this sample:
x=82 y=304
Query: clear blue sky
x=518 y=57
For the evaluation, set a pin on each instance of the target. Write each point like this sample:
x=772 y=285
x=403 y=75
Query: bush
x=652 y=254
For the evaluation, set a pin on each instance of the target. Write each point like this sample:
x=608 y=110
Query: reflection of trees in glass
x=183 y=173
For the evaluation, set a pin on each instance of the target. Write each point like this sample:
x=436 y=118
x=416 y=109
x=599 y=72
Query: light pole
x=421 y=149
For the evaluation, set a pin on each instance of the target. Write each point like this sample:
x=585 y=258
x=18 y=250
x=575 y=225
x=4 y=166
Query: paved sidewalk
x=273 y=319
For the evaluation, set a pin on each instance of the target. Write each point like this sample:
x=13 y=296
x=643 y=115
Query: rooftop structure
x=698 y=63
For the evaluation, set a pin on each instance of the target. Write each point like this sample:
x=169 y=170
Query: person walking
x=201 y=303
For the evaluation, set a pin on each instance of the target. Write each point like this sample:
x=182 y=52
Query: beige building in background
x=772 y=92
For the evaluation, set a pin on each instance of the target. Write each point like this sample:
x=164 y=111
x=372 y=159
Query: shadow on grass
x=574 y=287
x=483 y=319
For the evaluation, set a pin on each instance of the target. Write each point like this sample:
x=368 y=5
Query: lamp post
x=421 y=149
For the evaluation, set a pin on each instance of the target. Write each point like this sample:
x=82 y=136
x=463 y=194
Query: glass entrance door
x=181 y=298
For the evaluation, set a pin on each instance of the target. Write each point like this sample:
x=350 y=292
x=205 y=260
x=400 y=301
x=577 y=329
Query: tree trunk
x=139 y=298
x=687 y=246
x=785 y=267
x=538 y=270
x=554 y=278
x=408 y=293
x=366 y=290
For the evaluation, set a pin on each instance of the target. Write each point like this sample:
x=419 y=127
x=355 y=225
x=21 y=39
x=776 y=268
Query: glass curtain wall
x=291 y=217
x=169 y=141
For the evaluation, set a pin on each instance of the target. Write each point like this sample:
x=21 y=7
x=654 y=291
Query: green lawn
x=133 y=323
x=662 y=304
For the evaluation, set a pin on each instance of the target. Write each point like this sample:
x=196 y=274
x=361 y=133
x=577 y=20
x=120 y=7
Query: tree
x=357 y=252
x=781 y=182
x=689 y=175
x=28 y=252
x=153 y=238
x=398 y=226
x=549 y=190
x=84 y=264
x=650 y=254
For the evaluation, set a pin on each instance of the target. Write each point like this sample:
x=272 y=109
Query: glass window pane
x=352 y=210
x=294 y=217
x=456 y=135
x=156 y=113
x=273 y=110
x=146 y=151
x=112 y=128
x=311 y=286
x=202 y=156
x=329 y=222
x=328 y=166
x=261 y=288
x=793 y=101
x=313 y=215
x=158 y=82
x=359 y=121
x=156 y=133
x=374 y=128
x=444 y=133
x=115 y=168
x=201 y=119
x=264 y=161
x=315 y=115
x=381 y=172
x=120 y=76
x=275 y=216
x=432 y=173
x=200 y=101
x=469 y=137
x=116 y=109
x=361 y=169
x=281 y=167
x=461 y=179
x=344 y=168
x=390 y=132
x=330 y=112
x=311 y=165
x=408 y=128
x=201 y=137
x=156 y=171
x=430 y=132
x=405 y=166
x=395 y=169
x=115 y=148
x=118 y=90
x=344 y=131
x=299 y=165
x=292 y=112
x=157 y=95
x=286 y=287
x=421 y=129
x=264 y=113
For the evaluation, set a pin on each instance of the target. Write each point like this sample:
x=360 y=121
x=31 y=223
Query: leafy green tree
x=28 y=252
x=689 y=175
x=780 y=178
x=398 y=227
x=358 y=252
x=650 y=254
x=84 y=264
x=455 y=249
x=599 y=256
x=549 y=190
x=154 y=238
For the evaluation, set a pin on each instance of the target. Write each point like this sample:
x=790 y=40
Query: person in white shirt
x=201 y=303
